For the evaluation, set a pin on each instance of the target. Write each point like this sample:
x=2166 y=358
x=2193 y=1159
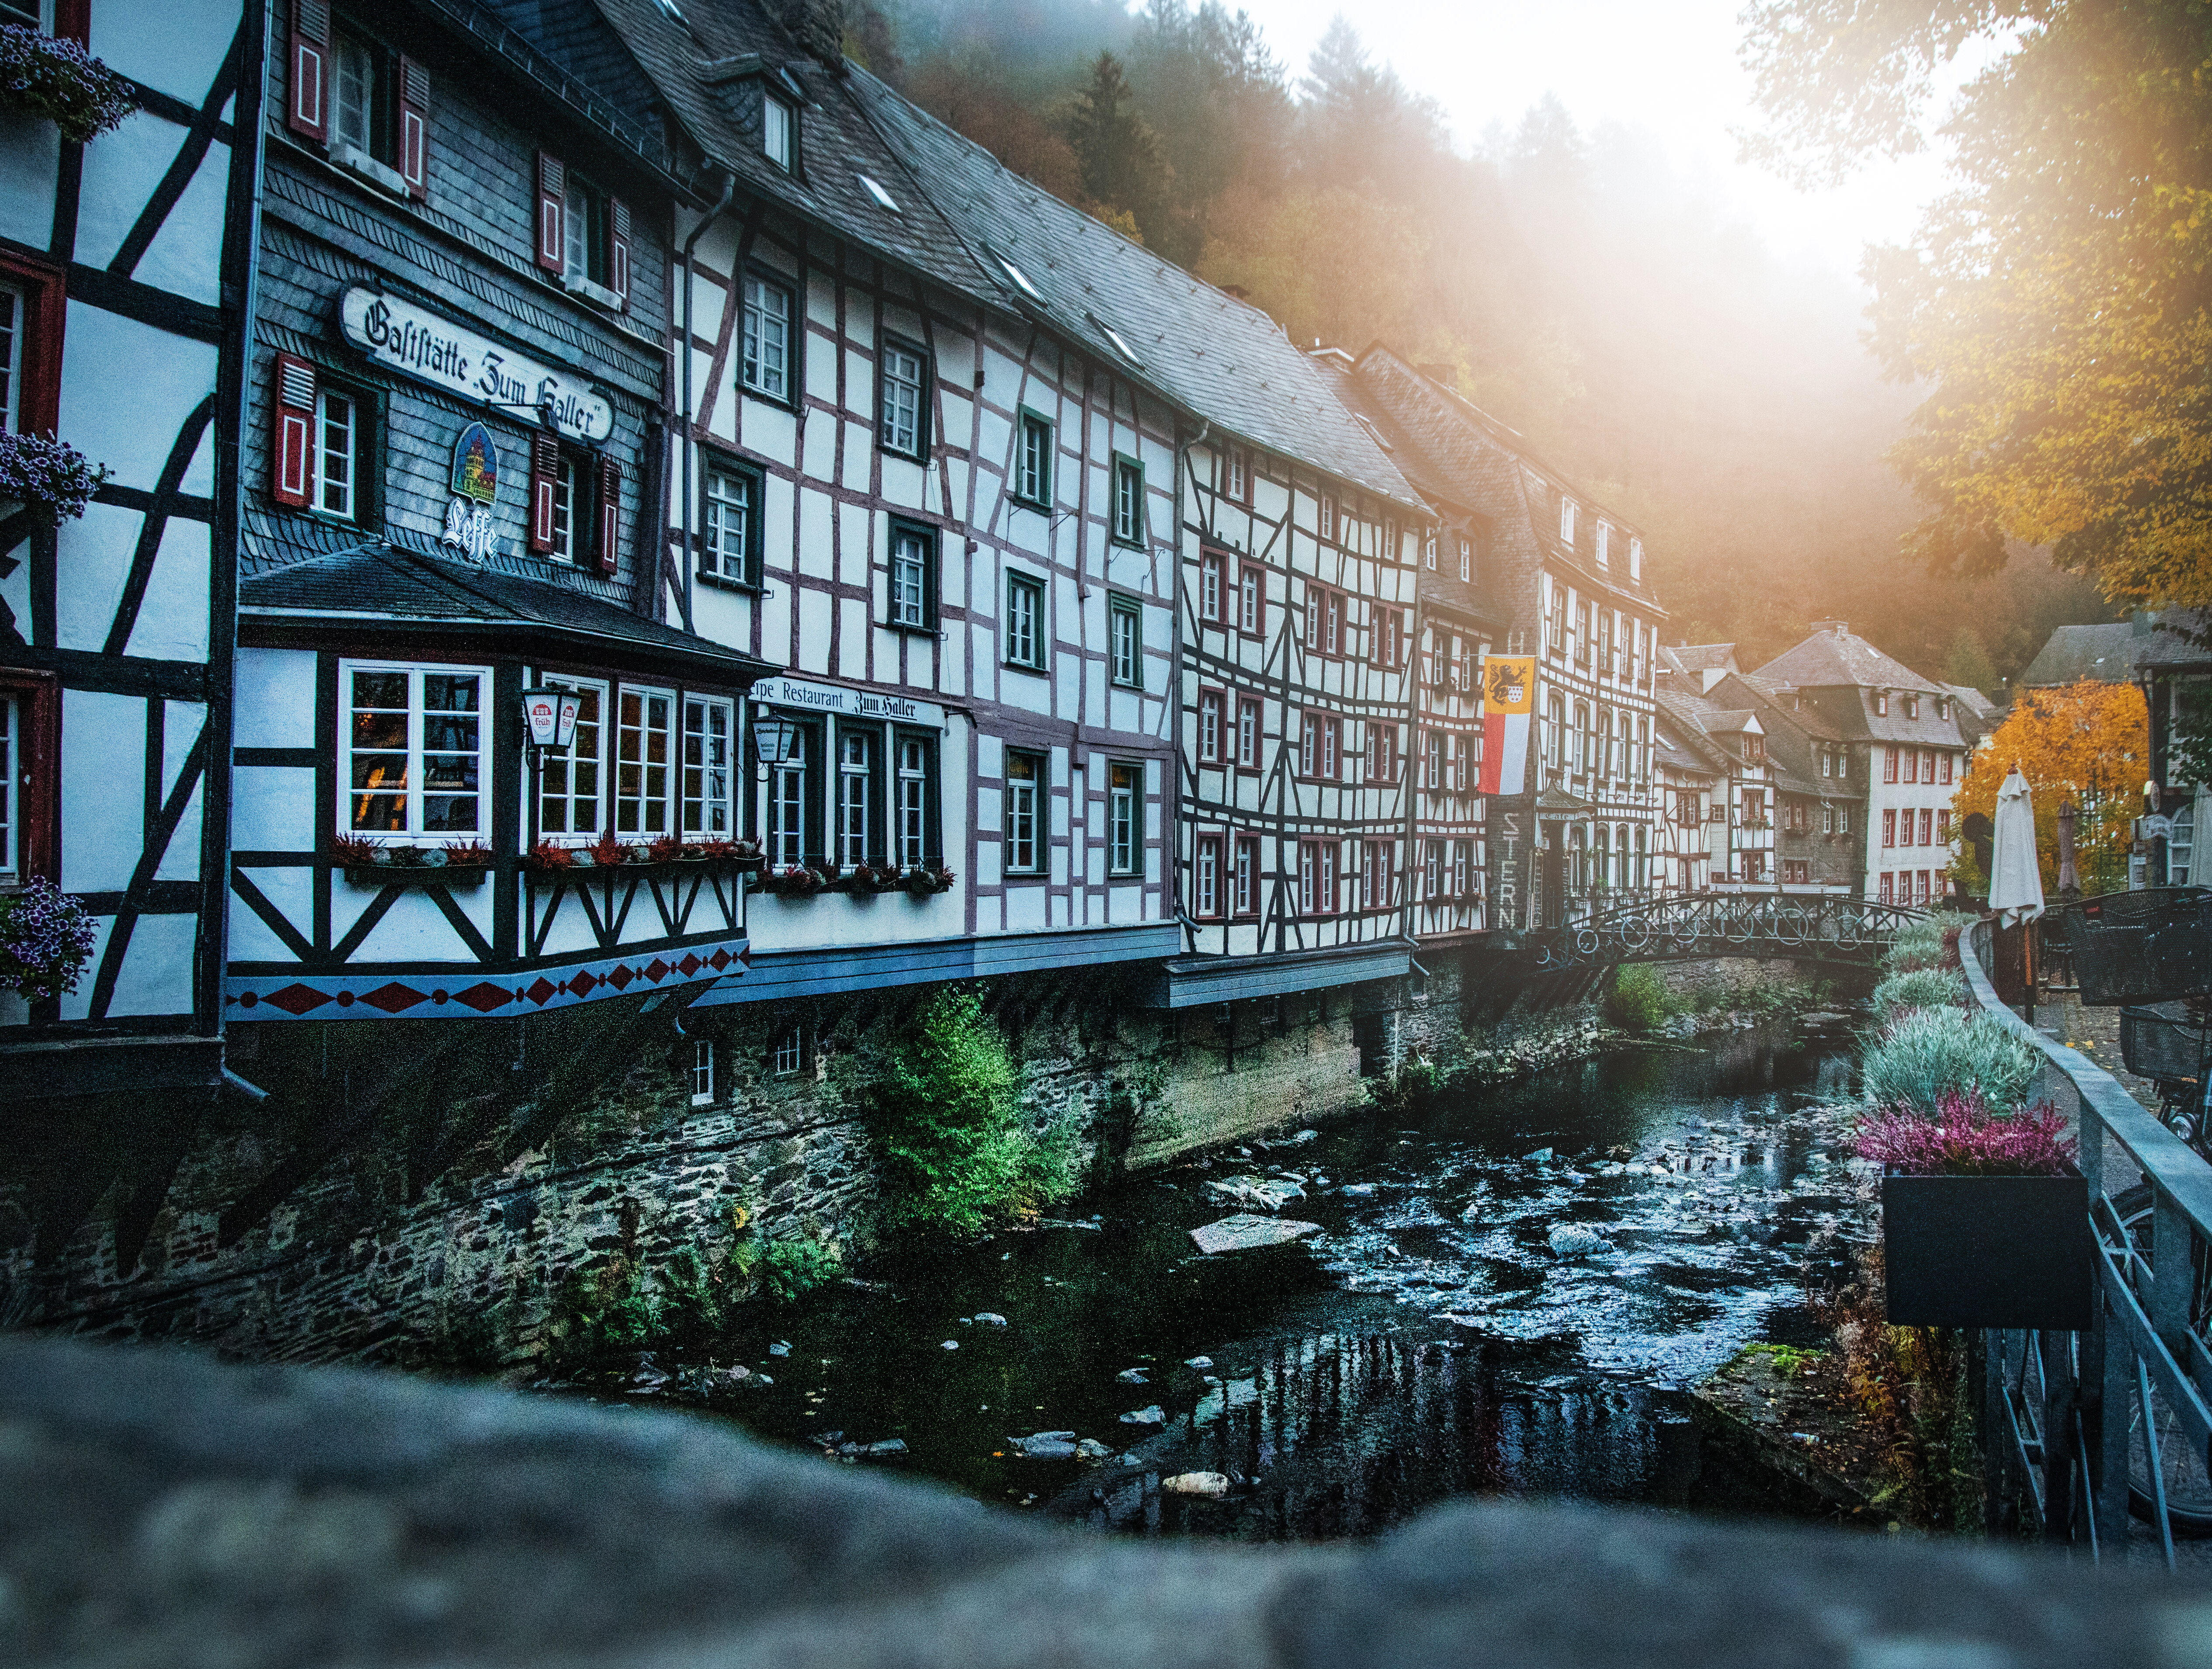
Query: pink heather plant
x=1967 y=1138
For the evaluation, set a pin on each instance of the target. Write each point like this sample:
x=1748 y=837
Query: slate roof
x=378 y=580
x=1221 y=359
x=1704 y=657
x=1832 y=659
x=2071 y=653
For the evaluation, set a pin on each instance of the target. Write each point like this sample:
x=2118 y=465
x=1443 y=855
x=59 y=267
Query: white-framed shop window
x=572 y=787
x=413 y=750
x=856 y=781
x=708 y=768
x=644 y=751
x=911 y=805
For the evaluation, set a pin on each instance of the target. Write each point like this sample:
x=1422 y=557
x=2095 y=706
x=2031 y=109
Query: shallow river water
x=1441 y=1336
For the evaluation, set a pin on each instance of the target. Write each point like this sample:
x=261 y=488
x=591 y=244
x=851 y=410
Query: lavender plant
x=45 y=938
x=39 y=469
x=59 y=80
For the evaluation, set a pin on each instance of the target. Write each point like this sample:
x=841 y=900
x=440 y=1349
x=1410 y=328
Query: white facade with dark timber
x=125 y=268
x=452 y=495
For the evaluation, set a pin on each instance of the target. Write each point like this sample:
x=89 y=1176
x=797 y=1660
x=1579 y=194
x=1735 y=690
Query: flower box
x=415 y=875
x=1988 y=1250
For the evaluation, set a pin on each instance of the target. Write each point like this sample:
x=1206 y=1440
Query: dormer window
x=1881 y=704
x=1604 y=545
x=1912 y=707
x=1942 y=706
x=779 y=131
x=1635 y=558
x=1566 y=521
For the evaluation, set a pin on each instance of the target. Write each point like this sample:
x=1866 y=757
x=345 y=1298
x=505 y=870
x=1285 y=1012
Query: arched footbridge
x=1695 y=926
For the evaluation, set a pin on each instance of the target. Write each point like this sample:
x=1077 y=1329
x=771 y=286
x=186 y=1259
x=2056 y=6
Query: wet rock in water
x=1210 y=1485
x=647 y=1378
x=1145 y=1416
x=1571 y=1241
x=1357 y=1188
x=1198 y=1363
x=1265 y=1193
x=1540 y=1156
x=780 y=1348
x=1091 y=1451
x=950 y=1344
x=1044 y=1446
x=888 y=1449
x=989 y=1318
x=1132 y=1376
x=1244 y=1231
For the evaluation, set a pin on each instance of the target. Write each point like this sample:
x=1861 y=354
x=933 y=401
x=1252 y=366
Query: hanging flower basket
x=863 y=880
x=60 y=81
x=922 y=882
x=40 y=470
x=46 y=939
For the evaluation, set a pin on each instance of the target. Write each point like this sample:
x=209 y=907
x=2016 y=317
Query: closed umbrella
x=2015 y=875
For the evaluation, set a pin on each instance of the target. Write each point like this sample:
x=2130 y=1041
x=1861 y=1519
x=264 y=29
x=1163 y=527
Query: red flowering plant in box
x=920 y=880
x=1966 y=1137
x=608 y=853
x=547 y=856
x=354 y=852
x=468 y=855
x=792 y=881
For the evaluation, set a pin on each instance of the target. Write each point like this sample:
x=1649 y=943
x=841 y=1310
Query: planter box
x=1988 y=1252
x=415 y=875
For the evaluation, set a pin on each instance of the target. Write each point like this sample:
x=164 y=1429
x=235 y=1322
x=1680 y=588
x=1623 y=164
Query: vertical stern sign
x=1509 y=705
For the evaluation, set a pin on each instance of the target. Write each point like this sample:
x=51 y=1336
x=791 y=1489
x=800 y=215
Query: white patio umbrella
x=2015 y=877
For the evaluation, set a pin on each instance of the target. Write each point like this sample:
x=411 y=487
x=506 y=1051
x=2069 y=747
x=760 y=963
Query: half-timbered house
x=1565 y=578
x=124 y=266
x=452 y=495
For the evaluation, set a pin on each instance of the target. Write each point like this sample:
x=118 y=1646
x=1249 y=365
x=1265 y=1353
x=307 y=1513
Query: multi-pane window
x=11 y=815
x=1209 y=587
x=764 y=365
x=1124 y=641
x=1382 y=753
x=1375 y=877
x=913 y=577
x=414 y=747
x=1025 y=780
x=12 y=309
x=1432 y=870
x=1318 y=742
x=732 y=527
x=1889 y=829
x=588 y=242
x=355 y=97
x=644 y=752
x=1325 y=517
x=1604 y=545
x=1033 y=460
x=1025 y=621
x=786 y=804
x=901 y=428
x=910 y=789
x=1467 y=559
x=1462 y=853
x=1124 y=807
x=1209 y=726
x=1317 y=877
x=1843 y=820
x=1206 y=879
x=788 y=1052
x=1248 y=597
x=779 y=131
x=337 y=441
x=1567 y=520
x=856 y=774
x=709 y=728
x=1236 y=480
x=702 y=1071
x=567 y=509
x=1244 y=878
x=1248 y=734
x=1389 y=636
x=568 y=783
x=1128 y=501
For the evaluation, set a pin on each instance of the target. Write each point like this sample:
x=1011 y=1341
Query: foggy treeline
x=1640 y=339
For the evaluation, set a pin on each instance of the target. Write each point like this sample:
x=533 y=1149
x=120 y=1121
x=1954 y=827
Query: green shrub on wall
x=1639 y=1000
x=943 y=1115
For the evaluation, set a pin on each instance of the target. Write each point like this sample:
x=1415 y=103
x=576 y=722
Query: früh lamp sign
x=549 y=716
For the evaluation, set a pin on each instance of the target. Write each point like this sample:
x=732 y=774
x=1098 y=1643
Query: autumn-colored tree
x=2089 y=742
x=2058 y=302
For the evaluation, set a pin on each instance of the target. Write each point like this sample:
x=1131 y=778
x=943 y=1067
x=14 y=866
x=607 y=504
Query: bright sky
x=1665 y=67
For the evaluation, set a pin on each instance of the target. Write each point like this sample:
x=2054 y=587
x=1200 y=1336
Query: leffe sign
x=416 y=342
x=848 y=703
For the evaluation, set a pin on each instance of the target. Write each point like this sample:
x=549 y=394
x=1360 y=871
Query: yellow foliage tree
x=2089 y=742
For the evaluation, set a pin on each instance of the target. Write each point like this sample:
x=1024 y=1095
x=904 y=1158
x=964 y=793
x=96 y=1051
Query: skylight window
x=1114 y=337
x=668 y=9
x=884 y=199
x=1021 y=280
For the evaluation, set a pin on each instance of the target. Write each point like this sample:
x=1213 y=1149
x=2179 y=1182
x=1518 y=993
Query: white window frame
x=328 y=402
x=1033 y=446
x=1210 y=568
x=414 y=793
x=764 y=352
x=1566 y=520
x=11 y=799
x=1243 y=875
x=1604 y=545
x=1025 y=799
x=567 y=496
x=787 y=1055
x=1128 y=501
x=910 y=564
x=727 y=514
x=899 y=425
x=699 y=798
x=17 y=302
x=1206 y=871
x=651 y=810
x=1125 y=642
x=779 y=131
x=1025 y=616
x=1125 y=800
x=785 y=837
x=855 y=795
x=351 y=57
x=702 y=1071
x=913 y=762
x=556 y=771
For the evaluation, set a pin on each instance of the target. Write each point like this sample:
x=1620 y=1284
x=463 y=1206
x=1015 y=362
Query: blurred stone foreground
x=162 y=1511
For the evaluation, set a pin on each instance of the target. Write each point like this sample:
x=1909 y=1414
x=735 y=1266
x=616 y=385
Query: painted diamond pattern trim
x=341 y=995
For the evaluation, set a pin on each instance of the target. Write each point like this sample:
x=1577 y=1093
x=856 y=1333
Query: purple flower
x=62 y=82
x=45 y=938
x=1967 y=1138
x=39 y=469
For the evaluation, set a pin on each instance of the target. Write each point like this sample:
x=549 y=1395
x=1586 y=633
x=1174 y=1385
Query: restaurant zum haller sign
x=410 y=339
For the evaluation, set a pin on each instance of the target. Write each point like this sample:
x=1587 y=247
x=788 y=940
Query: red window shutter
x=307 y=112
x=415 y=127
x=618 y=249
x=552 y=190
x=608 y=502
x=292 y=439
x=545 y=479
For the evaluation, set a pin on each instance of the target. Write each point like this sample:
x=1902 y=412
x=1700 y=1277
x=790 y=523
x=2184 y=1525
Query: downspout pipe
x=1183 y=452
x=690 y=410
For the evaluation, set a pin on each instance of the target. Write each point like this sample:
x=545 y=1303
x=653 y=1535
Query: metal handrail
x=2142 y=1338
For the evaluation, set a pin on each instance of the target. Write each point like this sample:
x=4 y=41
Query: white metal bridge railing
x=2081 y=1431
